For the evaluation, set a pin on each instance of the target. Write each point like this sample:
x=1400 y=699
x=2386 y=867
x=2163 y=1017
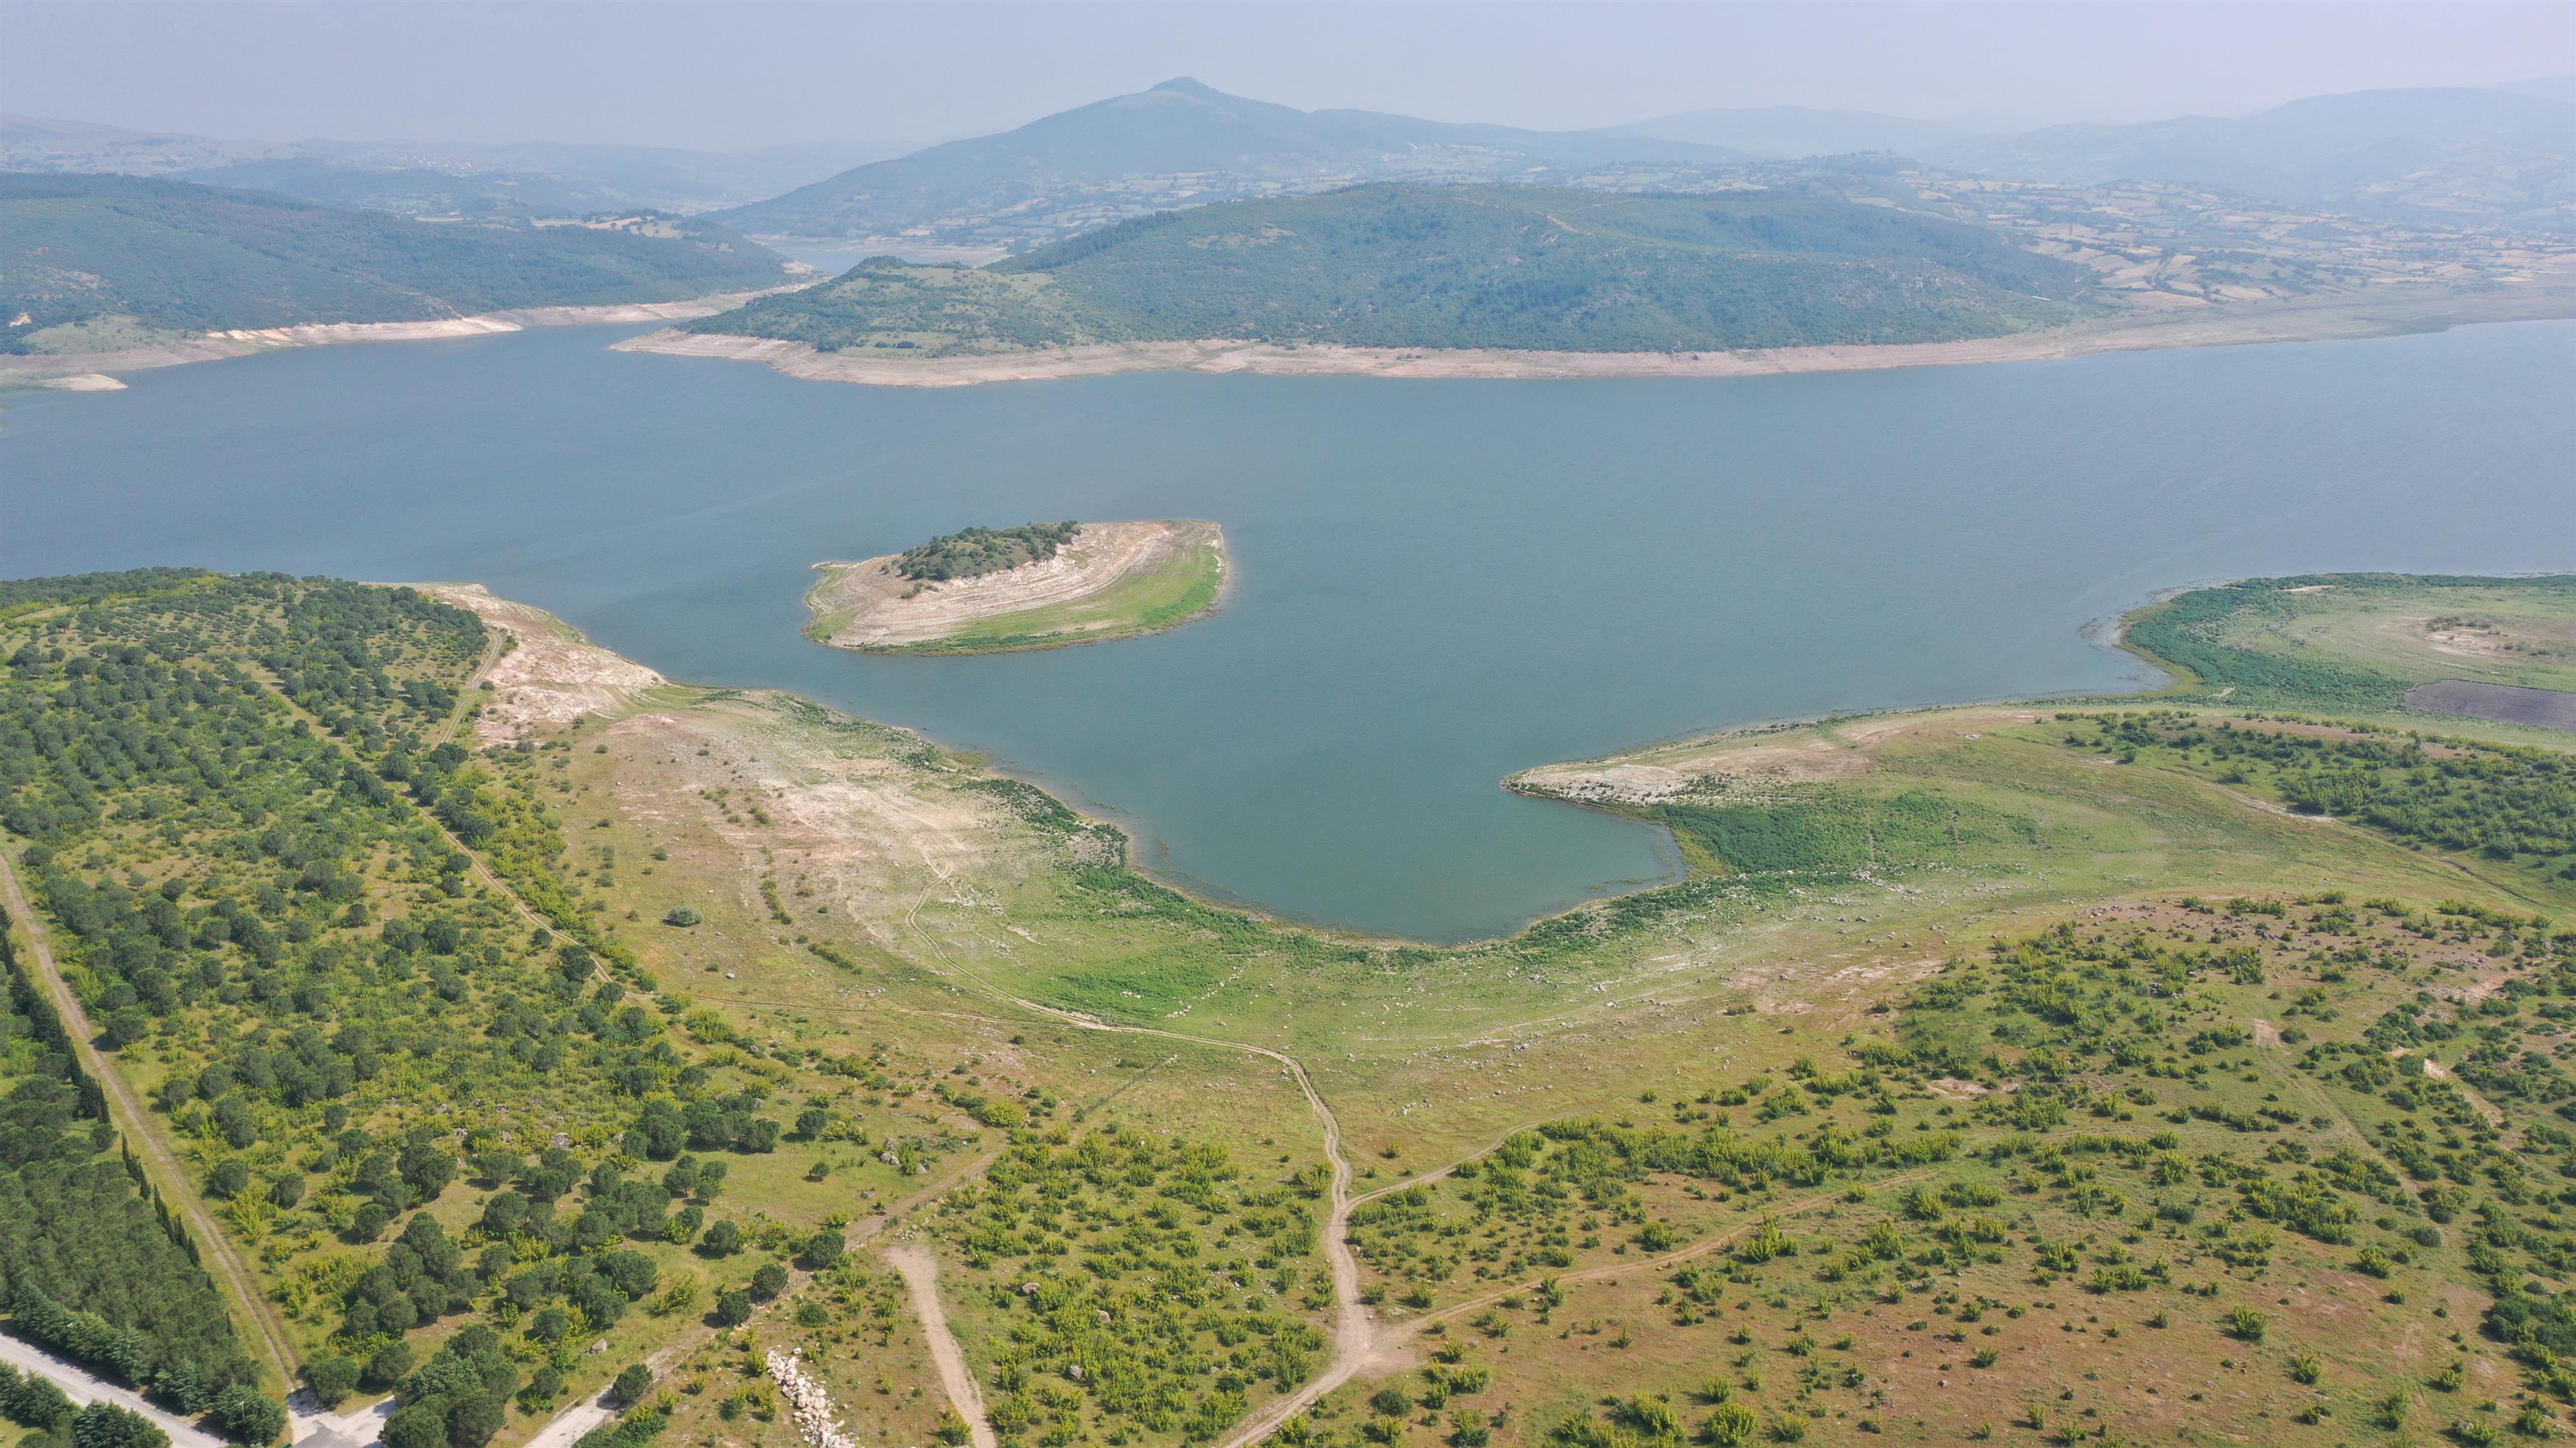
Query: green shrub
x=105 y=1425
x=246 y=1415
x=1731 y=1426
x=820 y=1251
x=391 y=1364
x=31 y=1400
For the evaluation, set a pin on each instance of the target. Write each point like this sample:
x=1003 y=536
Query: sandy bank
x=551 y=676
x=2337 y=318
x=1754 y=762
x=93 y=371
x=869 y=606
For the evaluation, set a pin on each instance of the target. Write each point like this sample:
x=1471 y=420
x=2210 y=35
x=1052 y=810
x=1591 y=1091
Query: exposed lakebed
x=1435 y=584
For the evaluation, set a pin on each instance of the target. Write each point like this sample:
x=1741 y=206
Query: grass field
x=2355 y=643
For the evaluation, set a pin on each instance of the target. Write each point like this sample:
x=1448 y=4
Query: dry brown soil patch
x=551 y=676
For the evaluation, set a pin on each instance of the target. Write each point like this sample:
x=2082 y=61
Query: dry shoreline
x=95 y=371
x=2334 y=319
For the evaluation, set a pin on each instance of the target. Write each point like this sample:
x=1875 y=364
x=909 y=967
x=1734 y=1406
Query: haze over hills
x=2456 y=156
x=90 y=262
x=2465 y=157
x=2324 y=196
x=2504 y=156
x=534 y=178
x=1180 y=143
x=1395 y=265
x=1791 y=132
x=414 y=190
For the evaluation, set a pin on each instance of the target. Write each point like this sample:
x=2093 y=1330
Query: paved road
x=572 y=1422
x=309 y=1425
x=84 y=1388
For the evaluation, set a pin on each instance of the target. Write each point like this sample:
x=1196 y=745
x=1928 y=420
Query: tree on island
x=977 y=551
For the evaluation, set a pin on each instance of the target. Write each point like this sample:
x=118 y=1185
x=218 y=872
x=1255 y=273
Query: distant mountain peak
x=1184 y=85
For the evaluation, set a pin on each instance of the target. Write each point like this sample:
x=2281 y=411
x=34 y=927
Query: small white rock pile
x=815 y=1421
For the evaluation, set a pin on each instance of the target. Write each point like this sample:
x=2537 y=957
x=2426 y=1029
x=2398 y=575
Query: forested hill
x=1179 y=143
x=1440 y=266
x=147 y=258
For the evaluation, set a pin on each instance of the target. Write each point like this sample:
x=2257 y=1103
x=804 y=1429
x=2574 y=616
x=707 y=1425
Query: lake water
x=1438 y=582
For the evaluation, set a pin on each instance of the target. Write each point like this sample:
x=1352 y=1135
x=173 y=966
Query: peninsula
x=1038 y=586
x=1523 y=281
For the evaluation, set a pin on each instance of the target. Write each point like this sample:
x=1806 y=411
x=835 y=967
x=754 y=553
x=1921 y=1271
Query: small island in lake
x=1037 y=586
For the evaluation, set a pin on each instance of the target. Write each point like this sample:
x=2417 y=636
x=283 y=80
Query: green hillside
x=1436 y=266
x=82 y=254
x=1178 y=144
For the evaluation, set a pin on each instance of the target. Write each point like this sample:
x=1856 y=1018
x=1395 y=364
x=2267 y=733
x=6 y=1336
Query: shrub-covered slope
x=173 y=257
x=1416 y=266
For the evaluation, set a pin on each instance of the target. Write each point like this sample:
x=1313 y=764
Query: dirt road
x=921 y=1277
x=263 y=1334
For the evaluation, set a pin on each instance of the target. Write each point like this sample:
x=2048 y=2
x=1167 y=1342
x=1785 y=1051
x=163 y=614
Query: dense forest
x=235 y=800
x=175 y=257
x=91 y=1265
x=1431 y=266
x=976 y=551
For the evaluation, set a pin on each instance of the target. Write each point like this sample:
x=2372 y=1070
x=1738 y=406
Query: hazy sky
x=742 y=74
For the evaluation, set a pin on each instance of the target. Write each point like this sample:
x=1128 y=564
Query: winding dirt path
x=921 y=1277
x=1358 y=1338
x=568 y=1426
x=496 y=641
x=1356 y=1334
x=1385 y=1348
